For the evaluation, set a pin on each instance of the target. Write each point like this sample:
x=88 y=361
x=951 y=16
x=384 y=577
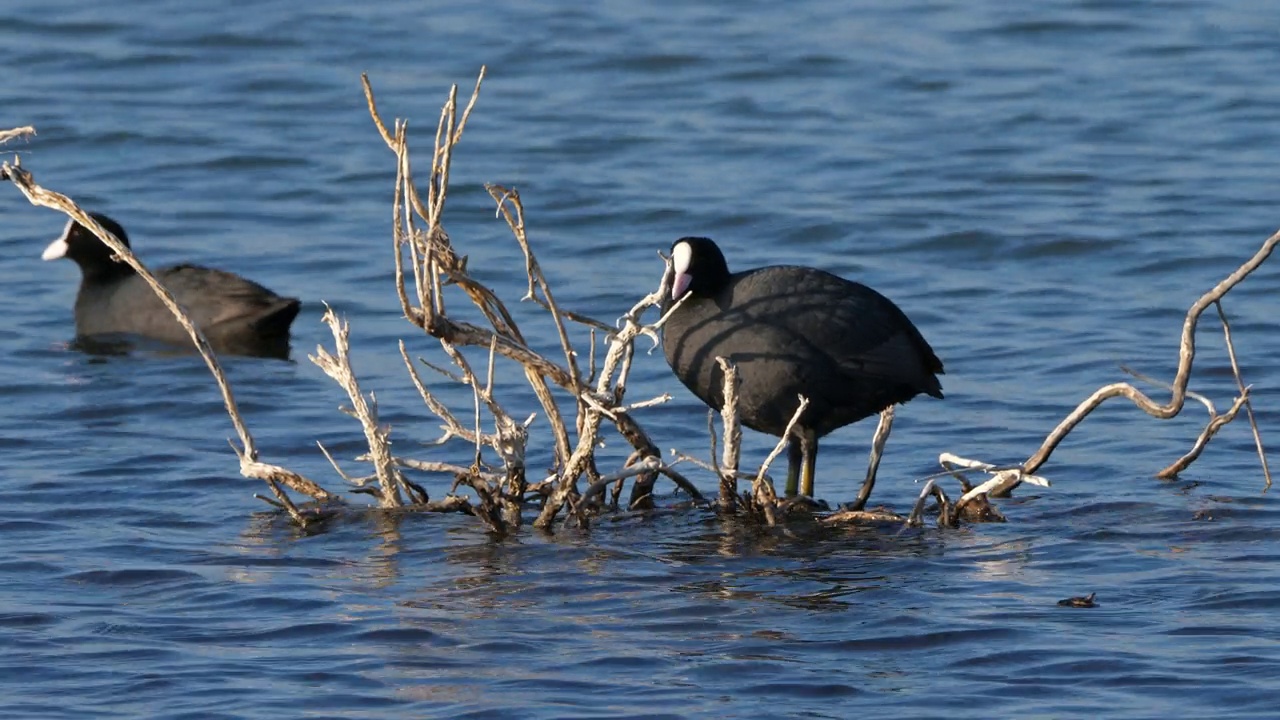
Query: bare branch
x=917 y=511
x=1206 y=402
x=338 y=367
x=648 y=464
x=732 y=438
x=373 y=112
x=883 y=426
x=1186 y=355
x=1209 y=431
x=357 y=481
x=762 y=489
x=7 y=135
x=466 y=114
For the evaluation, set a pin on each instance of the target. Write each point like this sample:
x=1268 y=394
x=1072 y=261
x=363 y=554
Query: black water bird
x=237 y=316
x=792 y=331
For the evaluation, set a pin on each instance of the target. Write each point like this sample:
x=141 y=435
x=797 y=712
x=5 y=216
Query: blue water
x=1044 y=189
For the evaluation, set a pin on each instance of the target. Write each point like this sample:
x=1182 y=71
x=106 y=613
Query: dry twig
x=883 y=427
x=7 y=135
x=337 y=365
x=728 y=470
x=1244 y=394
x=435 y=264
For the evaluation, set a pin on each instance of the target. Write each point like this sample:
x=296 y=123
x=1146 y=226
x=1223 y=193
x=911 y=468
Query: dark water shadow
x=101 y=347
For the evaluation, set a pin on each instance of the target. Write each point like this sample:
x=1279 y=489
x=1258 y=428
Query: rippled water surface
x=1044 y=188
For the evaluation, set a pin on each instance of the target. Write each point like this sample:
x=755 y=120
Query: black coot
x=792 y=331
x=237 y=316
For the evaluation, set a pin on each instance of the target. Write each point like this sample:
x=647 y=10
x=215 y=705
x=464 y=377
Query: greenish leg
x=794 y=463
x=809 y=452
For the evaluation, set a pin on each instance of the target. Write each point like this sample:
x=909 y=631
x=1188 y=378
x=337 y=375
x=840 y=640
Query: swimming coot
x=792 y=331
x=237 y=316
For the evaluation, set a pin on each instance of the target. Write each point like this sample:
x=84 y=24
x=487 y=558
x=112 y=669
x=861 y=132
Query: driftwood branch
x=973 y=503
x=435 y=266
x=1186 y=357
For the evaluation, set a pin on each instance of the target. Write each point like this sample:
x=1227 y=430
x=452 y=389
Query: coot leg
x=877 y=449
x=795 y=460
x=809 y=452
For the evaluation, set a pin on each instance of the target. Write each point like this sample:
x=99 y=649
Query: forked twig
x=763 y=495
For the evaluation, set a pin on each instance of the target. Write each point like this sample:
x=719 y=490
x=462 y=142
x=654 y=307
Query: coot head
x=699 y=267
x=95 y=259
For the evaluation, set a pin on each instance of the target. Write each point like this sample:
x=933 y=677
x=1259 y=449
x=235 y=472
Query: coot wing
x=217 y=299
x=859 y=330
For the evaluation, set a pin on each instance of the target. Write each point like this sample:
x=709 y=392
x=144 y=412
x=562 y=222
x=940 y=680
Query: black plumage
x=792 y=331
x=237 y=315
